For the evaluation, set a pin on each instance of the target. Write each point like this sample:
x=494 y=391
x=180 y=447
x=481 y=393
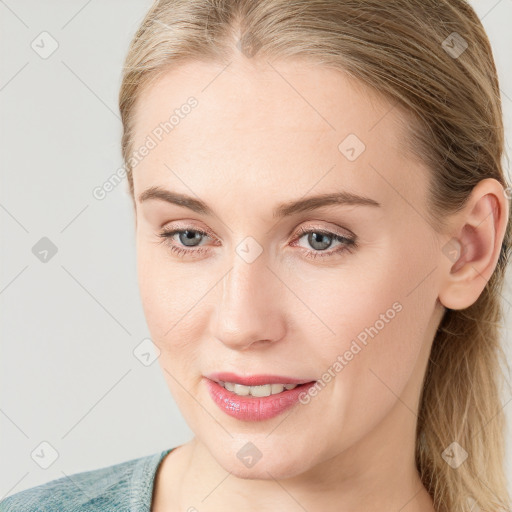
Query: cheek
x=375 y=316
x=379 y=367
x=368 y=324
x=170 y=301
x=382 y=330
x=173 y=298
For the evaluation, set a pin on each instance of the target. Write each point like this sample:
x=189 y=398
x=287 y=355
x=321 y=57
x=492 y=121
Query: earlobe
x=478 y=235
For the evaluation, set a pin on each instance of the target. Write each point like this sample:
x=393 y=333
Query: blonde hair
x=407 y=51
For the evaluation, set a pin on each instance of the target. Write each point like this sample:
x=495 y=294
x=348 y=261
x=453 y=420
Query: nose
x=250 y=307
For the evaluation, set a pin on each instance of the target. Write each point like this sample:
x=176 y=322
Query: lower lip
x=248 y=408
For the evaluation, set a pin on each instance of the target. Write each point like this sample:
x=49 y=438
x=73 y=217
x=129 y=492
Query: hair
x=401 y=50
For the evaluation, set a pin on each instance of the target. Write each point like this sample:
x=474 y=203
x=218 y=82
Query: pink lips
x=249 y=408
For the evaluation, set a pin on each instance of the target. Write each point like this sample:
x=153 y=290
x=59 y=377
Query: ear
x=471 y=255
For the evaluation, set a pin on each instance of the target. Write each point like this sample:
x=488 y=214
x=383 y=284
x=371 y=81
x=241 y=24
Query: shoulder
x=124 y=486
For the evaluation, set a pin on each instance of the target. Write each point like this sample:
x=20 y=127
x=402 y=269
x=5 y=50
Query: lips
x=249 y=408
x=255 y=380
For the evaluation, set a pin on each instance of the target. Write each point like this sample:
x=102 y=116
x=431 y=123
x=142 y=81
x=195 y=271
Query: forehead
x=283 y=126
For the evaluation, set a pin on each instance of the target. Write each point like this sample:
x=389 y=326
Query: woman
x=322 y=237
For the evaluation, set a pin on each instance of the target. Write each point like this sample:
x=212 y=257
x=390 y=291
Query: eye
x=187 y=237
x=318 y=239
x=321 y=239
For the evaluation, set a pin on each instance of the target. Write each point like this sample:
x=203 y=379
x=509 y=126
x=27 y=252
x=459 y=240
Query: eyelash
x=349 y=244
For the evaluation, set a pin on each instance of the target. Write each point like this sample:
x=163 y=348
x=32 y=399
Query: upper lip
x=255 y=380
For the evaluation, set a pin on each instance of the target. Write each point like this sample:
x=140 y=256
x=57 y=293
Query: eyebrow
x=283 y=210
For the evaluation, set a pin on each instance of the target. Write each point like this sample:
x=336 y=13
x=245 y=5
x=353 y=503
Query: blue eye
x=319 y=239
x=167 y=238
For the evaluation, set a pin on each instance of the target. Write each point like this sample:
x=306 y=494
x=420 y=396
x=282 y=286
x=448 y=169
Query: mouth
x=258 y=402
x=260 y=391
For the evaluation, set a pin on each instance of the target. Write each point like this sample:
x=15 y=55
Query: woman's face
x=256 y=296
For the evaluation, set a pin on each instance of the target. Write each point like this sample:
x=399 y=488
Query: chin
x=272 y=467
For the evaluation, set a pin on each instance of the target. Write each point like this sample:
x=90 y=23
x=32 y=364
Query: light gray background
x=69 y=326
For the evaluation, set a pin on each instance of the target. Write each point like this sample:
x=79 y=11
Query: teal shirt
x=123 y=487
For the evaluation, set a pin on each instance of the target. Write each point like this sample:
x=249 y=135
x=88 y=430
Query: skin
x=253 y=142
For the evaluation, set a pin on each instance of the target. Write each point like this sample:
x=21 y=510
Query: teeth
x=258 y=391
